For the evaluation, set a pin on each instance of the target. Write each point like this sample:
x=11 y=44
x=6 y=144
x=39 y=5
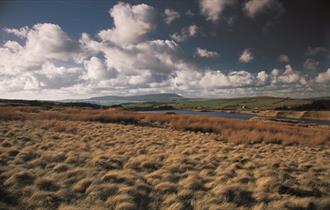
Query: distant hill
x=114 y=100
x=47 y=104
x=149 y=97
x=257 y=103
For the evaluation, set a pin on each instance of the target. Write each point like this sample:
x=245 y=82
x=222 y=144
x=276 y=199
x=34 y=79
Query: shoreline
x=277 y=114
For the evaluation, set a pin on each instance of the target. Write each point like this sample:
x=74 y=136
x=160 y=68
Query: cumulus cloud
x=262 y=77
x=212 y=9
x=216 y=79
x=170 y=15
x=42 y=42
x=288 y=76
x=51 y=76
x=131 y=23
x=323 y=77
x=246 y=56
x=311 y=64
x=185 y=33
x=204 y=53
x=283 y=58
x=97 y=70
x=13 y=46
x=254 y=7
x=275 y=72
x=142 y=65
x=47 y=76
x=21 y=32
x=49 y=41
x=44 y=60
x=47 y=60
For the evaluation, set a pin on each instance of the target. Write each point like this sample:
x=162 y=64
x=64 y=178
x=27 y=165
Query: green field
x=235 y=104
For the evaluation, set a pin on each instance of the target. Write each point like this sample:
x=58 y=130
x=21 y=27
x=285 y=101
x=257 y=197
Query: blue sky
x=209 y=48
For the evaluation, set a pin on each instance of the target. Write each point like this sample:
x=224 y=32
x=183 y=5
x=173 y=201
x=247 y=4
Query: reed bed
x=231 y=130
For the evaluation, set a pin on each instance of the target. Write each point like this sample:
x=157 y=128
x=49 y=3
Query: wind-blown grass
x=232 y=130
x=79 y=164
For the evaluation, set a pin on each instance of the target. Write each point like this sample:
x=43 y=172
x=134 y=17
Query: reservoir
x=242 y=116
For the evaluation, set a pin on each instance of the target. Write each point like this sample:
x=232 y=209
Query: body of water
x=209 y=113
x=237 y=116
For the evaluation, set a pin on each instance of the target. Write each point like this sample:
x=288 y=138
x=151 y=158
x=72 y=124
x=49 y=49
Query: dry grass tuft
x=102 y=191
x=193 y=183
x=166 y=187
x=82 y=185
x=249 y=131
x=21 y=179
x=47 y=184
x=67 y=159
x=120 y=201
x=234 y=194
x=44 y=200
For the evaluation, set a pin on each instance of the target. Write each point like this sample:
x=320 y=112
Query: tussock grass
x=233 y=130
x=47 y=184
x=21 y=179
x=156 y=164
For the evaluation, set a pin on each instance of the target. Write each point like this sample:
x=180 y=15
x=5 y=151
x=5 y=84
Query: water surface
x=242 y=116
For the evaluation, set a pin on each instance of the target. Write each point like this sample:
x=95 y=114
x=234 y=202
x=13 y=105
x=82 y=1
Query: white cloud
x=131 y=23
x=21 y=32
x=289 y=76
x=262 y=77
x=97 y=70
x=186 y=32
x=212 y=9
x=44 y=60
x=204 y=53
x=323 y=77
x=47 y=63
x=217 y=79
x=170 y=15
x=311 y=64
x=51 y=76
x=49 y=41
x=13 y=46
x=43 y=42
x=47 y=76
x=284 y=58
x=148 y=64
x=275 y=72
x=246 y=56
x=253 y=7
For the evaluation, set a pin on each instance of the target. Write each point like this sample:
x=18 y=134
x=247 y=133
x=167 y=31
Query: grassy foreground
x=66 y=165
x=71 y=158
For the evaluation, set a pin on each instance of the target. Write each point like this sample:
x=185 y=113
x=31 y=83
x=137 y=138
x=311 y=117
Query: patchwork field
x=238 y=104
x=53 y=164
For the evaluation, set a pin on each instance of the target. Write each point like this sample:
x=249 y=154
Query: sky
x=52 y=50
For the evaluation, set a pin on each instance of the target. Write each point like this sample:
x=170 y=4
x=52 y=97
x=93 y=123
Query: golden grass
x=232 y=130
x=82 y=164
x=316 y=115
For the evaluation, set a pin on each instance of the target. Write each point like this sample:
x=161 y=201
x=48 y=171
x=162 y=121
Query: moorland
x=80 y=156
x=262 y=106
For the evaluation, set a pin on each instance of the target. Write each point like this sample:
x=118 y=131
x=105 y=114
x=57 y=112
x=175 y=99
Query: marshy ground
x=51 y=164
